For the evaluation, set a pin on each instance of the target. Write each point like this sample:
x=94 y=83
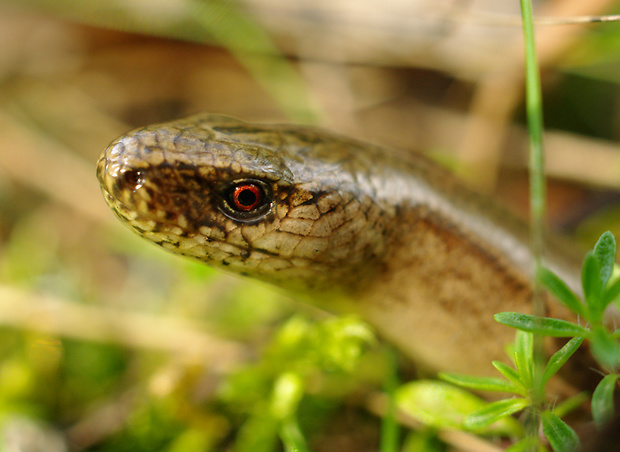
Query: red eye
x=247 y=196
x=246 y=200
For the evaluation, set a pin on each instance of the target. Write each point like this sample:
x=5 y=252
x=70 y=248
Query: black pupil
x=246 y=197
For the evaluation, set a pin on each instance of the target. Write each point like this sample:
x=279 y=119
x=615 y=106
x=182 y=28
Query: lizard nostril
x=132 y=179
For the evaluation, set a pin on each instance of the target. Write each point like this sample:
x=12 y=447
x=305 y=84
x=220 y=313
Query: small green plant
x=599 y=292
x=267 y=395
x=526 y=381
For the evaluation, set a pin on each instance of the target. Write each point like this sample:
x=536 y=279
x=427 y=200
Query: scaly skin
x=357 y=227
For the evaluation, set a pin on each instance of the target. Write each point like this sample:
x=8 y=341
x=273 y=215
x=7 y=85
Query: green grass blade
x=533 y=101
x=534 y=109
x=541 y=325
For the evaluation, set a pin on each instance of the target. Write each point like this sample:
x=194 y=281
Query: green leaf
x=605 y=348
x=605 y=252
x=561 y=291
x=611 y=293
x=441 y=405
x=603 y=400
x=592 y=287
x=524 y=351
x=510 y=374
x=541 y=325
x=493 y=412
x=480 y=383
x=561 y=437
x=560 y=357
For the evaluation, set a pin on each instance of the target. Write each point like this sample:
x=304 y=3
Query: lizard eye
x=246 y=200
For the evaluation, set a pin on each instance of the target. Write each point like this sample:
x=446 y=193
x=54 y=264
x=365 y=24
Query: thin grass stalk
x=534 y=109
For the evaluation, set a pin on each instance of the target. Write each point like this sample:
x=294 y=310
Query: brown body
x=355 y=227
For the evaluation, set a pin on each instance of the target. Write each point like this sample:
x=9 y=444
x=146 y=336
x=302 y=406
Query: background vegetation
x=108 y=344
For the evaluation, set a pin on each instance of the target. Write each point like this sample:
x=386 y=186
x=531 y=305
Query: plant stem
x=537 y=201
x=536 y=154
x=389 y=426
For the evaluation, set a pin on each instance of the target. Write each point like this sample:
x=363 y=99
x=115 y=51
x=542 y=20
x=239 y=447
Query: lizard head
x=278 y=204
